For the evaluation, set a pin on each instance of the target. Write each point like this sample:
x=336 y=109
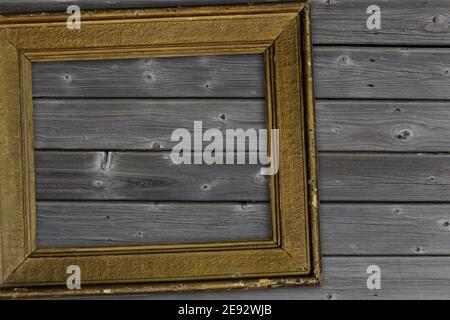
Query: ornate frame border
x=279 y=31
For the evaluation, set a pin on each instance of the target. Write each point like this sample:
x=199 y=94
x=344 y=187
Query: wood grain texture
x=384 y=177
x=343 y=177
x=413 y=23
x=232 y=76
x=143 y=176
x=135 y=124
x=74 y=224
x=385 y=229
x=383 y=126
x=346 y=228
x=346 y=278
x=142 y=124
x=381 y=73
x=417 y=23
x=340 y=72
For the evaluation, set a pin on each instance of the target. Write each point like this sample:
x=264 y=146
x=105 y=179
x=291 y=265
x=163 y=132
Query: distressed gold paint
x=290 y=117
x=11 y=191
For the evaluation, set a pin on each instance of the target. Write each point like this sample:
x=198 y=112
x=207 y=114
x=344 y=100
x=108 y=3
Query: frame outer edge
x=311 y=136
x=14 y=19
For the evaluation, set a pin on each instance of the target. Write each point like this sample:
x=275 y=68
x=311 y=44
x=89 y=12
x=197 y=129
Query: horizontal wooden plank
x=346 y=228
x=340 y=72
x=343 y=21
x=381 y=73
x=385 y=229
x=384 y=177
x=149 y=176
x=346 y=278
x=231 y=76
x=414 y=22
x=383 y=126
x=143 y=176
x=153 y=176
x=70 y=224
x=135 y=124
x=142 y=124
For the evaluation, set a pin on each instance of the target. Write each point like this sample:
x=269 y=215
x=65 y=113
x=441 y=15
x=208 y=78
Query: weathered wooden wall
x=383 y=118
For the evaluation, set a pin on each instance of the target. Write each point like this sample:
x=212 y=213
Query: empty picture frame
x=281 y=32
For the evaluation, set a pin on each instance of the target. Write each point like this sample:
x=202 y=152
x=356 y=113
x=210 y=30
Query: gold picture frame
x=281 y=32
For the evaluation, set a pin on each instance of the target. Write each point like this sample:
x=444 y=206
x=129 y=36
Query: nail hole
x=98 y=183
x=148 y=76
x=371 y=85
x=404 y=134
x=446 y=224
x=343 y=60
x=222 y=116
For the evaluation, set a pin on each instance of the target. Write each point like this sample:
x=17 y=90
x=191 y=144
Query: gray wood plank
x=135 y=124
x=231 y=76
x=340 y=72
x=384 y=177
x=382 y=73
x=346 y=278
x=68 y=224
x=412 y=22
x=143 y=176
x=153 y=176
x=383 y=126
x=346 y=228
x=334 y=22
x=142 y=124
x=385 y=229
